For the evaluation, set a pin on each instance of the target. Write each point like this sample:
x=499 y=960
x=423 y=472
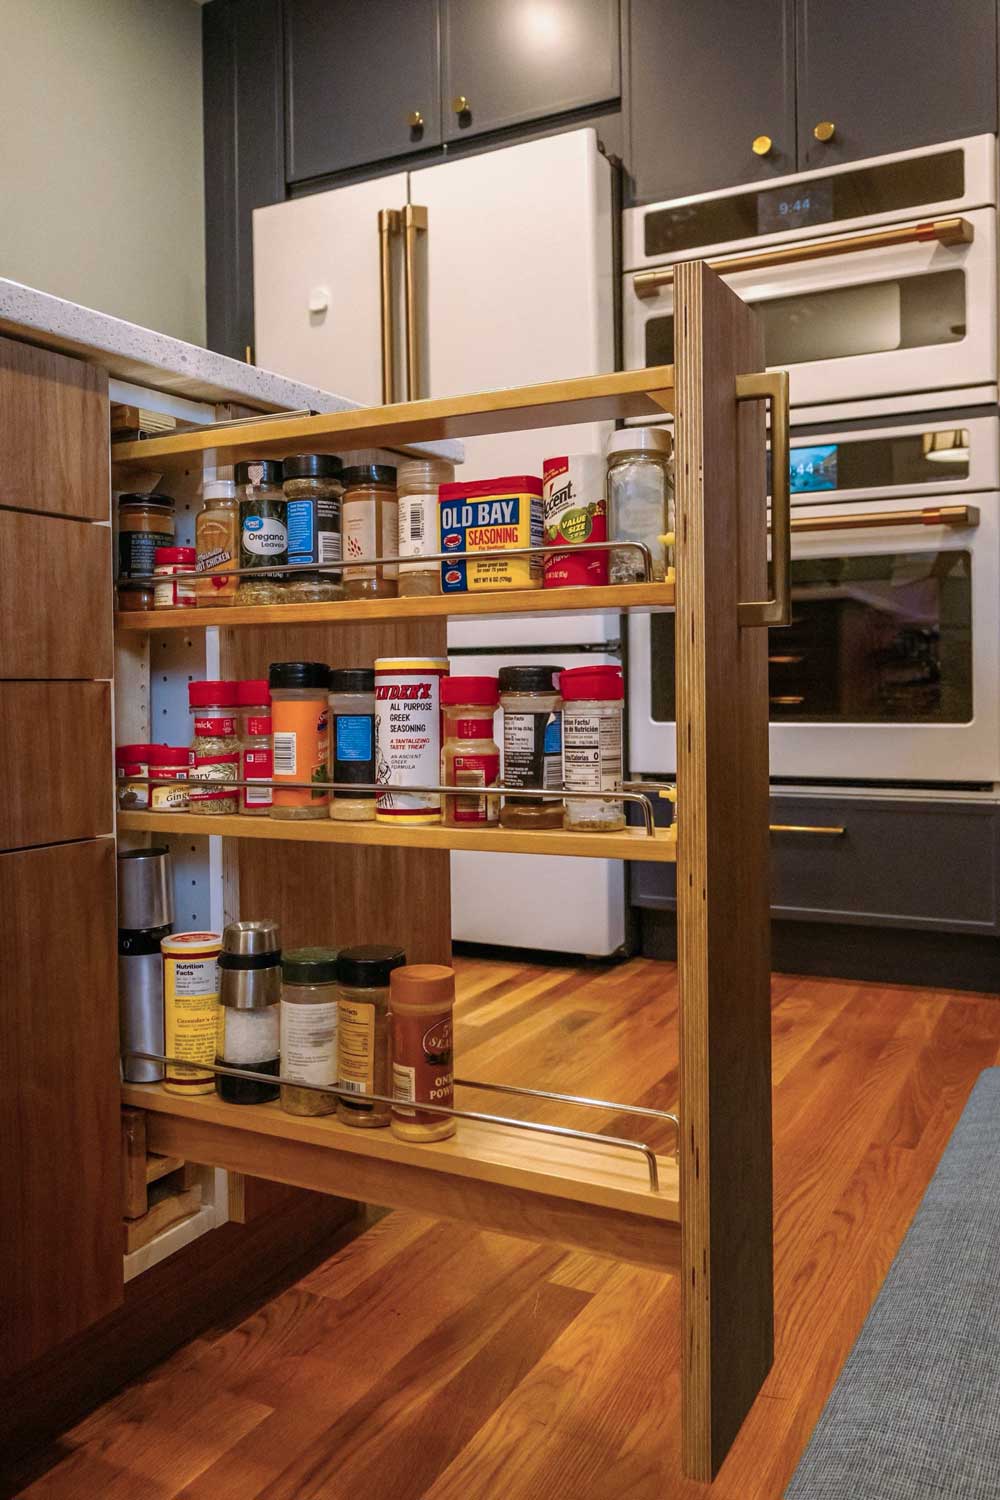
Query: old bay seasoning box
x=490 y=515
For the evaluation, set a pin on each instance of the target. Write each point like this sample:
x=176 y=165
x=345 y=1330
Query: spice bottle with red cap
x=470 y=757
x=215 y=748
x=593 y=704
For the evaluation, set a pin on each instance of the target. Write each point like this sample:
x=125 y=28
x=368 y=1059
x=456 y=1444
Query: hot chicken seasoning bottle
x=592 y=745
x=421 y=1000
x=217 y=542
x=352 y=731
x=532 y=744
x=408 y=736
x=300 y=719
x=371 y=529
x=418 y=480
x=215 y=749
x=190 y=1009
x=249 y=997
x=256 y=754
x=309 y=1029
x=489 y=516
x=575 y=511
x=363 y=1041
x=263 y=530
x=470 y=757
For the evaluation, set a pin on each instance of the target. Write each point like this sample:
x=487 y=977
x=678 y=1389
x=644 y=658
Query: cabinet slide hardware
x=414 y=223
x=761 y=145
x=567 y=1132
x=953 y=231
x=824 y=131
x=834 y=831
x=777 y=609
x=388 y=227
x=955 y=516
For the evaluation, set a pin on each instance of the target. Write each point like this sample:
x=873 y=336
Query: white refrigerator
x=511 y=277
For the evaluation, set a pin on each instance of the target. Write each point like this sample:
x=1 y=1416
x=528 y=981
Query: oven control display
x=813 y=469
x=795 y=207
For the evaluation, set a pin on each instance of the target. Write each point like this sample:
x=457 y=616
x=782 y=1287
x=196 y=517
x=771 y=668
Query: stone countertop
x=145 y=358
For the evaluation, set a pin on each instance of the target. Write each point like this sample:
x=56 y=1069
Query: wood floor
x=425 y=1361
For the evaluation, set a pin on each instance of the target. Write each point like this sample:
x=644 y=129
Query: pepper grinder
x=145 y=915
x=249 y=995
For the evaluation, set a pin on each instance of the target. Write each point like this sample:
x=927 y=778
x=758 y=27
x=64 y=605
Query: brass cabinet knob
x=460 y=105
x=825 y=130
x=415 y=119
x=761 y=145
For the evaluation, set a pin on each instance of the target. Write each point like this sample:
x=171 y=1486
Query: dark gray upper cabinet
x=893 y=74
x=361 y=82
x=707 y=80
x=504 y=62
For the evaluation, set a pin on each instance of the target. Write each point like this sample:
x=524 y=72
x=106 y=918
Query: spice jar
x=249 y=999
x=352 y=732
x=263 y=530
x=217 y=542
x=640 y=501
x=169 y=776
x=309 y=1029
x=592 y=745
x=363 y=1043
x=215 y=749
x=532 y=744
x=174 y=593
x=421 y=1001
x=408 y=737
x=256 y=754
x=145 y=522
x=371 y=529
x=190 y=1009
x=418 y=481
x=313 y=489
x=132 y=760
x=300 y=719
x=469 y=754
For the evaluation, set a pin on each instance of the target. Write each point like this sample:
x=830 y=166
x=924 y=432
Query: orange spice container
x=300 y=714
x=421 y=1000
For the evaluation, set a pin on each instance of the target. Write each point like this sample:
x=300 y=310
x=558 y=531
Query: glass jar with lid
x=312 y=487
x=532 y=744
x=145 y=522
x=371 y=529
x=217 y=542
x=419 y=530
x=263 y=530
x=593 y=703
x=309 y=1029
x=641 y=501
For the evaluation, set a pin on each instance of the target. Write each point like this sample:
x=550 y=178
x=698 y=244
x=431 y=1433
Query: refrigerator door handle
x=414 y=223
x=388 y=228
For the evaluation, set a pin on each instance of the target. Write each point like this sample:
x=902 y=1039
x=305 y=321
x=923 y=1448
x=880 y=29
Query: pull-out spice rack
x=709 y=1219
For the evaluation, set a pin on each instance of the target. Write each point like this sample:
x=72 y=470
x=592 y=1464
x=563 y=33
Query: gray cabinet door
x=508 y=61
x=356 y=77
x=893 y=75
x=707 y=80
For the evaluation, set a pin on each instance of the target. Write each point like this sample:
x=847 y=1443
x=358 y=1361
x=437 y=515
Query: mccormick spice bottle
x=421 y=1000
x=256 y=753
x=470 y=757
x=215 y=749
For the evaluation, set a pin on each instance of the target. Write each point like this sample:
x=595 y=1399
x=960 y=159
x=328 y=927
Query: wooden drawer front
x=927 y=865
x=56 y=750
x=60 y=1251
x=55 y=597
x=53 y=433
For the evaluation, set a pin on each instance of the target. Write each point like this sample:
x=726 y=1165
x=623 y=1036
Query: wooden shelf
x=631 y=843
x=596 y=398
x=584 y=1196
x=624 y=597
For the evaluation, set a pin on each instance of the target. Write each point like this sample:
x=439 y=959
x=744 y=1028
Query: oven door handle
x=772 y=386
x=953 y=231
x=954 y=516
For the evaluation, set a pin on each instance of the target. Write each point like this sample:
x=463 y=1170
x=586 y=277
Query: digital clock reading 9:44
x=784 y=208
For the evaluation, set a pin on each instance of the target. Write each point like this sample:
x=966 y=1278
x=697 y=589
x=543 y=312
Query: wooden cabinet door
x=53 y=433
x=60 y=1180
x=356 y=76
x=893 y=75
x=56 y=597
x=512 y=62
x=55 y=742
x=707 y=81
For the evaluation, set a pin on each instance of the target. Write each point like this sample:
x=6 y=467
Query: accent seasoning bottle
x=363 y=1044
x=408 y=736
x=300 y=717
x=190 y=1009
x=469 y=755
x=575 y=511
x=421 y=1000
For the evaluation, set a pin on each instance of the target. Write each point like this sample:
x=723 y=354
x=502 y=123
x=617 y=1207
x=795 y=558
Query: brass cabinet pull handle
x=414 y=223
x=460 y=105
x=953 y=231
x=786 y=700
x=825 y=131
x=956 y=516
x=772 y=386
x=388 y=226
x=761 y=145
x=415 y=120
x=833 y=831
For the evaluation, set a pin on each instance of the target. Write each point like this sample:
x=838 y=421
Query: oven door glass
x=875 y=638
x=880 y=463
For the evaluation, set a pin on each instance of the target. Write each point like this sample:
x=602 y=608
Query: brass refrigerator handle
x=388 y=226
x=414 y=223
x=956 y=516
x=772 y=385
x=835 y=831
x=953 y=231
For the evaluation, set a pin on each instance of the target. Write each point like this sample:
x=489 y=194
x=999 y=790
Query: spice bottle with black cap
x=363 y=1039
x=249 y=1009
x=300 y=715
x=312 y=487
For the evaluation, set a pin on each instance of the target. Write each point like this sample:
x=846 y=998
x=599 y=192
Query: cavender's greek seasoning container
x=408 y=736
x=309 y=1029
x=592 y=745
